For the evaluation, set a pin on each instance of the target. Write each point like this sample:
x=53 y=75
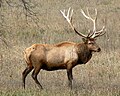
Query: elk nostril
x=99 y=49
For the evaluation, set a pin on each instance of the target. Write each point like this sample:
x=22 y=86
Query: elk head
x=90 y=38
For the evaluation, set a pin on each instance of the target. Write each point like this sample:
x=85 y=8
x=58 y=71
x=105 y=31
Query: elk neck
x=84 y=53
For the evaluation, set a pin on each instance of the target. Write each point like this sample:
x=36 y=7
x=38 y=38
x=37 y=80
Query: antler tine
x=90 y=18
x=96 y=13
x=89 y=14
x=100 y=32
x=84 y=14
x=68 y=13
x=68 y=17
x=94 y=24
x=71 y=15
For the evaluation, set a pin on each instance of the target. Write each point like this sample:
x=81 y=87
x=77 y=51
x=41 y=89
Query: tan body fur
x=53 y=57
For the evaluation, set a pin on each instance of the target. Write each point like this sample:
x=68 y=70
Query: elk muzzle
x=97 y=49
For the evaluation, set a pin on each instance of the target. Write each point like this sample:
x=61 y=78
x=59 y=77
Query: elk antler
x=95 y=33
x=68 y=17
x=100 y=32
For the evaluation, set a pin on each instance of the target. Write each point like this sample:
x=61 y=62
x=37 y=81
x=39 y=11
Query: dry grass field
x=20 y=29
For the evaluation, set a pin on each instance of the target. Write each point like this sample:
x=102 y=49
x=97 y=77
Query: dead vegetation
x=100 y=76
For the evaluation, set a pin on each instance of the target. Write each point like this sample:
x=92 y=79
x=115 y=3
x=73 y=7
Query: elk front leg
x=70 y=77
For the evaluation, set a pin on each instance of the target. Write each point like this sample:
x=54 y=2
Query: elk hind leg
x=34 y=76
x=25 y=73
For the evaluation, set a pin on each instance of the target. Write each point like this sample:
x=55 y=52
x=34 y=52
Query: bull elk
x=64 y=55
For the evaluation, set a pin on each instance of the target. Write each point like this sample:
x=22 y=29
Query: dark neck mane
x=84 y=53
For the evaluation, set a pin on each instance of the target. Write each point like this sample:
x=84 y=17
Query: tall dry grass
x=99 y=77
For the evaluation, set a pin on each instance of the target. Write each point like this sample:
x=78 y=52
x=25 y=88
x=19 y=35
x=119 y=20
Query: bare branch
x=27 y=7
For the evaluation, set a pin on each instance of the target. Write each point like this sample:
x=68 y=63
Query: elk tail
x=26 y=57
x=27 y=53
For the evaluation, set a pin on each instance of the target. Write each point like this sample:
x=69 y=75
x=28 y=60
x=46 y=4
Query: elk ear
x=84 y=40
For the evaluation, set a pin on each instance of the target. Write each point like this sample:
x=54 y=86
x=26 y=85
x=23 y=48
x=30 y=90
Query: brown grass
x=99 y=77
